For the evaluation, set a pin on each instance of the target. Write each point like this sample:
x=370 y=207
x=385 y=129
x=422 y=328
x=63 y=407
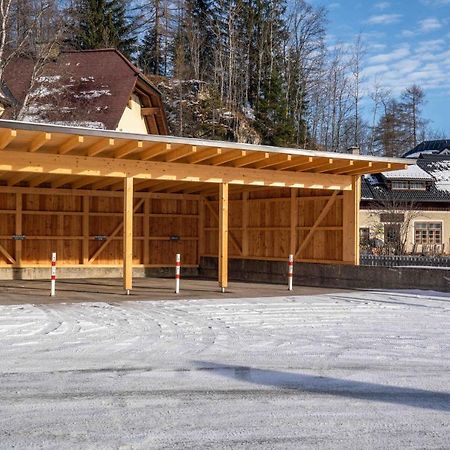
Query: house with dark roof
x=408 y=211
x=98 y=89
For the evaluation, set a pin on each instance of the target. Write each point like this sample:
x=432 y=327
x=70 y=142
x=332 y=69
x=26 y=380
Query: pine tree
x=272 y=118
x=149 y=59
x=104 y=24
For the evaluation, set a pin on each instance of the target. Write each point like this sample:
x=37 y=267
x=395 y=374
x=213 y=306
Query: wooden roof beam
x=17 y=178
x=342 y=165
x=60 y=181
x=317 y=165
x=294 y=162
x=128 y=148
x=357 y=168
x=39 y=141
x=203 y=155
x=179 y=153
x=6 y=137
x=83 y=181
x=273 y=161
x=100 y=146
x=250 y=159
x=101 y=184
x=72 y=165
x=71 y=144
x=40 y=179
x=154 y=151
x=226 y=157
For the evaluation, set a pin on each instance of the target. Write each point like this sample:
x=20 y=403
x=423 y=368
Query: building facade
x=408 y=211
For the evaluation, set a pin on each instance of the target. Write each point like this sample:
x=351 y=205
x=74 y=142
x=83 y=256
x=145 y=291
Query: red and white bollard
x=53 y=276
x=177 y=273
x=290 y=271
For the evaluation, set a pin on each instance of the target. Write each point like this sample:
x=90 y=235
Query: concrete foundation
x=335 y=276
x=274 y=272
x=43 y=273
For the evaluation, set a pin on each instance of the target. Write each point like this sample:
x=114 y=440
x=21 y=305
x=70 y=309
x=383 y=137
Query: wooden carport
x=268 y=202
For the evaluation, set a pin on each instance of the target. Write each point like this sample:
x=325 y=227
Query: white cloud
x=384 y=19
x=382 y=5
x=374 y=70
x=395 y=55
x=427 y=64
x=430 y=24
x=407 y=33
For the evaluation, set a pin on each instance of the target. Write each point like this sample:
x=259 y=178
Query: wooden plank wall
x=264 y=224
x=69 y=225
x=262 y=227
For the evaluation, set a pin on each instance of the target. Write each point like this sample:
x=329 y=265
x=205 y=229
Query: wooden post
x=245 y=219
x=201 y=230
x=223 y=236
x=85 y=249
x=146 y=226
x=294 y=221
x=128 y=234
x=19 y=228
x=350 y=241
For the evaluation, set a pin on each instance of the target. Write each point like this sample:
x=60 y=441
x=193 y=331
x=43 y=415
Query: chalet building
x=98 y=89
x=408 y=211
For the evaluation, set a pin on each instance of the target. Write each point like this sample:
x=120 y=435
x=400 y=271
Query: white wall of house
x=414 y=219
x=132 y=120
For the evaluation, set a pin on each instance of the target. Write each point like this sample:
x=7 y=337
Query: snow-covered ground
x=345 y=370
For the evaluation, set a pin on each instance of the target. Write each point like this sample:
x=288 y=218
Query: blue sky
x=406 y=42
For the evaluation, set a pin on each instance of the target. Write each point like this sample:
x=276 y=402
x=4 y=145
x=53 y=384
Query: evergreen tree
x=272 y=118
x=149 y=59
x=104 y=24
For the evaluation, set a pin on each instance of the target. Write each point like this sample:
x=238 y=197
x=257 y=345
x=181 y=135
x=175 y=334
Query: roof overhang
x=41 y=154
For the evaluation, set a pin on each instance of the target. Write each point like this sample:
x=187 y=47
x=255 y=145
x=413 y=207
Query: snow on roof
x=440 y=170
x=413 y=172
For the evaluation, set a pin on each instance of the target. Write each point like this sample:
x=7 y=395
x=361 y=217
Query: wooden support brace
x=217 y=218
x=317 y=223
x=115 y=232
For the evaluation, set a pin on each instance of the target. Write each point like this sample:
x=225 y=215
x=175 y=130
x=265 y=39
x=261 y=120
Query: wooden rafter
x=128 y=148
x=250 y=159
x=6 y=137
x=294 y=162
x=273 y=161
x=71 y=144
x=203 y=155
x=100 y=146
x=39 y=141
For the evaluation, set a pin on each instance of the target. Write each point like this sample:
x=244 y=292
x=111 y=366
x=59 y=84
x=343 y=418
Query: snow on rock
x=194 y=109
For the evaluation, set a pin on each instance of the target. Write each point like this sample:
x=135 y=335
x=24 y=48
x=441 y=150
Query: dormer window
x=417 y=185
x=400 y=185
x=406 y=185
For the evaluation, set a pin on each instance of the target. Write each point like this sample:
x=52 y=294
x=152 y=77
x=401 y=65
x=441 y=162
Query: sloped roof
x=79 y=88
x=436 y=169
x=413 y=172
x=428 y=147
